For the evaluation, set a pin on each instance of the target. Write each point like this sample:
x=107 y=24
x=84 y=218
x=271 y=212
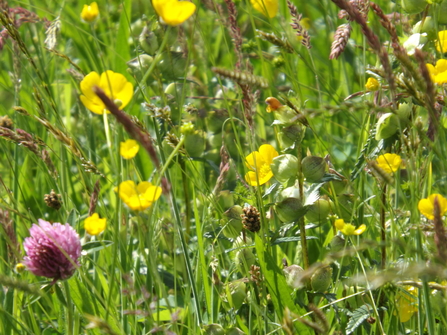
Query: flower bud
x=213 y=329
x=215 y=120
x=195 y=144
x=289 y=210
x=234 y=212
x=226 y=199
x=339 y=186
x=337 y=243
x=244 y=260
x=294 y=276
x=290 y=135
x=413 y=6
x=235 y=331
x=236 y=293
x=387 y=126
x=318 y=212
x=148 y=41
x=321 y=279
x=314 y=168
x=284 y=167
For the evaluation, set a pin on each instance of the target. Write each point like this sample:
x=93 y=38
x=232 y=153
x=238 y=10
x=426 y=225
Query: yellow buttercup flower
x=173 y=12
x=406 y=303
x=129 y=149
x=372 y=84
x=259 y=164
x=140 y=197
x=438 y=73
x=349 y=229
x=426 y=206
x=267 y=7
x=94 y=225
x=441 y=43
x=115 y=86
x=389 y=162
x=90 y=12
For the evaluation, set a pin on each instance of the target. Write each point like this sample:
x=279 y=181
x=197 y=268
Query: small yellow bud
x=90 y=12
x=372 y=84
x=20 y=267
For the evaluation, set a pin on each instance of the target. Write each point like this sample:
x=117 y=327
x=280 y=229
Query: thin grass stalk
x=383 y=225
x=301 y=222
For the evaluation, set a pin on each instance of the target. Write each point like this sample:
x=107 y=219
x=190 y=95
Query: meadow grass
x=324 y=238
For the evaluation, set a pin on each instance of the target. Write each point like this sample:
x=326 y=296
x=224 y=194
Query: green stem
x=69 y=309
x=301 y=220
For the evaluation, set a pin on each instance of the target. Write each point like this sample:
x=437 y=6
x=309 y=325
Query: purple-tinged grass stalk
x=24 y=139
x=94 y=198
x=235 y=31
x=430 y=93
x=372 y=40
x=341 y=38
x=13 y=246
x=297 y=26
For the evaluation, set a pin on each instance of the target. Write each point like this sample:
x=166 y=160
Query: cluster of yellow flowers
x=438 y=72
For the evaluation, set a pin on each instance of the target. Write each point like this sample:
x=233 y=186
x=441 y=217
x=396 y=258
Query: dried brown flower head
x=251 y=219
x=53 y=200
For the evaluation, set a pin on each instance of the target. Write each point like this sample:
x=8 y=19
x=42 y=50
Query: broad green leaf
x=278 y=288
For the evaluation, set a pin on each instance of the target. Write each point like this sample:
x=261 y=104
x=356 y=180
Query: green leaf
x=72 y=218
x=357 y=317
x=280 y=292
x=95 y=246
x=292 y=239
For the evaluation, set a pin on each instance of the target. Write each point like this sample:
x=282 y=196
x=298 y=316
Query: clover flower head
x=389 y=162
x=438 y=73
x=173 y=12
x=114 y=85
x=138 y=197
x=90 y=12
x=259 y=162
x=426 y=206
x=267 y=7
x=349 y=229
x=52 y=250
x=129 y=149
x=94 y=225
x=372 y=84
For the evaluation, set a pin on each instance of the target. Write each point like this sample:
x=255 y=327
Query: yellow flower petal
x=114 y=85
x=90 y=12
x=260 y=164
x=438 y=73
x=339 y=224
x=348 y=229
x=173 y=12
x=426 y=206
x=360 y=230
x=372 y=84
x=389 y=162
x=94 y=225
x=406 y=302
x=139 y=197
x=129 y=149
x=441 y=44
x=267 y=7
